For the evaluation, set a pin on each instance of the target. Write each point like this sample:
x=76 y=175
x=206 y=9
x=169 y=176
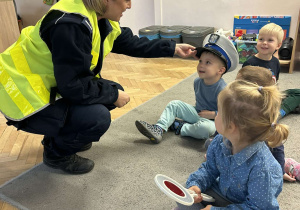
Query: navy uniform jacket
x=73 y=41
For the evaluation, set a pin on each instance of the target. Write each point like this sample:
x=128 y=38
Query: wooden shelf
x=295 y=60
x=284 y=62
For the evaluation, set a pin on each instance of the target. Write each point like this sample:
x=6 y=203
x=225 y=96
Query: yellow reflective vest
x=26 y=68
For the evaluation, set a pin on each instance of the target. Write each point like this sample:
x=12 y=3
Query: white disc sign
x=176 y=191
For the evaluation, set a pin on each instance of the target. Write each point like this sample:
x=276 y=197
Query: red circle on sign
x=174 y=188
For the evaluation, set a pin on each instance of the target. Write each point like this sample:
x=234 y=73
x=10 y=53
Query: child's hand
x=197 y=199
x=289 y=177
x=207 y=207
x=207 y=114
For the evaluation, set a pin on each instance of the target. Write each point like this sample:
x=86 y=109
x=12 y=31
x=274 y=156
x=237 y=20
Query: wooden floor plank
x=32 y=156
x=5 y=136
x=14 y=171
x=11 y=141
x=26 y=147
x=7 y=164
x=16 y=149
x=6 y=206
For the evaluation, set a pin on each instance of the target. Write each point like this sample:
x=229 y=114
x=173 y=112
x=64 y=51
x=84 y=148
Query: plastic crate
x=195 y=35
x=172 y=33
x=151 y=32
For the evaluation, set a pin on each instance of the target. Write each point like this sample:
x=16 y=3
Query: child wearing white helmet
x=217 y=56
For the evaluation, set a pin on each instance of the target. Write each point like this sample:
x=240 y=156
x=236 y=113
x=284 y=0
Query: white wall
x=139 y=16
x=31 y=10
x=215 y=13
x=220 y=13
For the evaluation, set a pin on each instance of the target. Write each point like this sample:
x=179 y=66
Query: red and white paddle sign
x=177 y=192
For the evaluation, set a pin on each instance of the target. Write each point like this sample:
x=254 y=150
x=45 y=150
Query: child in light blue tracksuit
x=217 y=57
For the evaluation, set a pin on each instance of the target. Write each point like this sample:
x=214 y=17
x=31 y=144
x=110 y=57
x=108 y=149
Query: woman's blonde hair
x=96 y=5
x=274 y=29
x=255 y=74
x=254 y=110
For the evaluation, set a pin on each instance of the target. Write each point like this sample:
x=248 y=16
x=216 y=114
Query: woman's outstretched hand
x=185 y=51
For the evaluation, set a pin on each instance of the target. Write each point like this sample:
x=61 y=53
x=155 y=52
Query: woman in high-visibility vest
x=50 y=80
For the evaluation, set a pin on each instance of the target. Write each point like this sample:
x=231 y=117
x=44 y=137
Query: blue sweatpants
x=196 y=126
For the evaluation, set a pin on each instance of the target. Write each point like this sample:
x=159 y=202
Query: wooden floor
x=142 y=79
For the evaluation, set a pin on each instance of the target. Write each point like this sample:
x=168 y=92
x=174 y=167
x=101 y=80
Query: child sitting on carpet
x=217 y=57
x=263 y=77
x=240 y=166
x=269 y=41
x=258 y=75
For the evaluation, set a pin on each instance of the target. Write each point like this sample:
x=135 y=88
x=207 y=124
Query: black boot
x=73 y=164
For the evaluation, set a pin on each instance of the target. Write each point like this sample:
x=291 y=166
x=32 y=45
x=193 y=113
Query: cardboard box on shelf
x=252 y=24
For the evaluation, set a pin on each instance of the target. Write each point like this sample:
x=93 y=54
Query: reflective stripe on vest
x=25 y=81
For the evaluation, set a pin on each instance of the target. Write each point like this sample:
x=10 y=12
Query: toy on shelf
x=221 y=31
x=249 y=37
x=239 y=33
x=245 y=49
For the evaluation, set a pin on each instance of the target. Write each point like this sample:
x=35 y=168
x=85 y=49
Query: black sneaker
x=177 y=125
x=153 y=132
x=72 y=164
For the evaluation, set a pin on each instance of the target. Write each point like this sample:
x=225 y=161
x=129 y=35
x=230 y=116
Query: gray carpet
x=126 y=164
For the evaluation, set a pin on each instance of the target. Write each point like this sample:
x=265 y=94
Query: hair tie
x=273 y=124
x=260 y=88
